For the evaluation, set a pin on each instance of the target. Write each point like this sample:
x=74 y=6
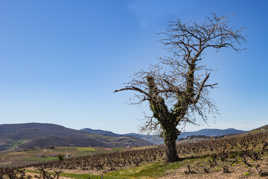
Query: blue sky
x=61 y=60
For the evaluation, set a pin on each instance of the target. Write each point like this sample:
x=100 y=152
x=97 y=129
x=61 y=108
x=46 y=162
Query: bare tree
x=177 y=88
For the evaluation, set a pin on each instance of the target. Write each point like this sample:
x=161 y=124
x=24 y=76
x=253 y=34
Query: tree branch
x=133 y=88
x=203 y=84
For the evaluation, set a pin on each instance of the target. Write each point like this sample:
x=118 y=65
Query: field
x=243 y=155
x=27 y=157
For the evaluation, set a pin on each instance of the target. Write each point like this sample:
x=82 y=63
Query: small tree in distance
x=177 y=88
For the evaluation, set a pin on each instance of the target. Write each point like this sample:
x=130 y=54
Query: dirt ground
x=239 y=172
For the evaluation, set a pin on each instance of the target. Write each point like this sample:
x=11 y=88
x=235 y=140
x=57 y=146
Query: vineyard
x=118 y=160
x=230 y=149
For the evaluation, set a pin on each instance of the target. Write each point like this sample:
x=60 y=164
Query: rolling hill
x=154 y=139
x=36 y=135
x=101 y=132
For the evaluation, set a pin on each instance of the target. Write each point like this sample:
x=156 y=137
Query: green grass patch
x=246 y=173
x=17 y=143
x=81 y=176
x=151 y=170
x=86 y=149
x=41 y=159
x=88 y=176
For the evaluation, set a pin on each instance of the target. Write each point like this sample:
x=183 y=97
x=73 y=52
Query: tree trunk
x=170 y=148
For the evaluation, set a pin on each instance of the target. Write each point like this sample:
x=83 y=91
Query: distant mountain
x=32 y=135
x=155 y=139
x=101 y=132
x=211 y=132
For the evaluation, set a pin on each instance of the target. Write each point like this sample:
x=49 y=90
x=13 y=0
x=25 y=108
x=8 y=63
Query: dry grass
x=239 y=171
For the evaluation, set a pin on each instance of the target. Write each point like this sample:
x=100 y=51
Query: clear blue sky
x=60 y=60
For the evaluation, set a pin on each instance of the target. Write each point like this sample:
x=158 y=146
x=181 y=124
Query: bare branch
x=133 y=88
x=203 y=84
